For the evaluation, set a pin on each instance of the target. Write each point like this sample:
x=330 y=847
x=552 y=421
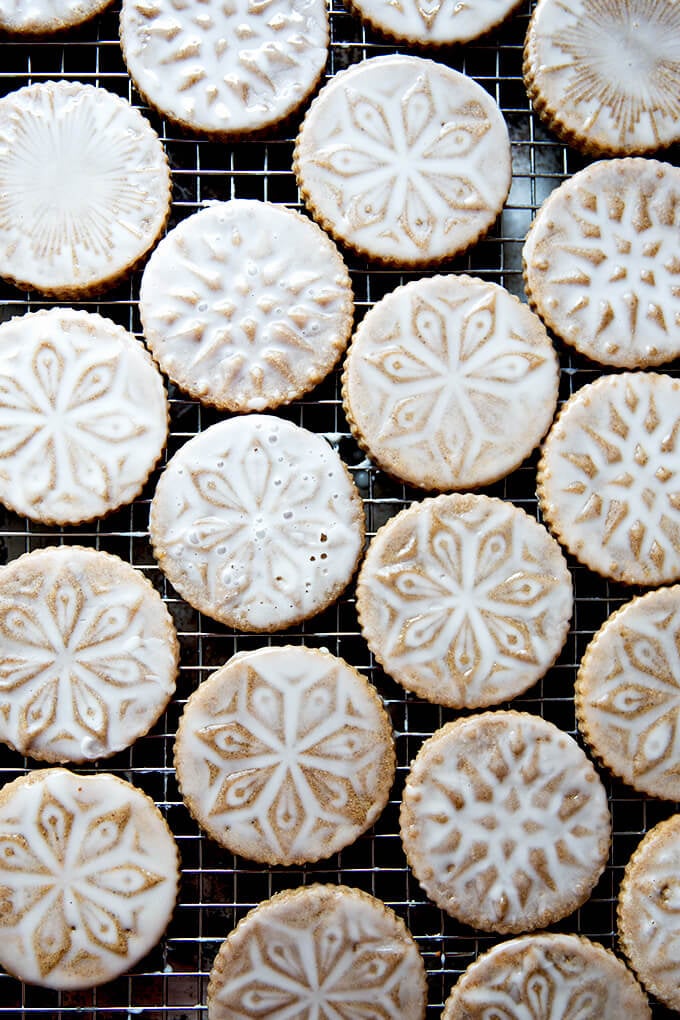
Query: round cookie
x=464 y=600
x=450 y=382
x=285 y=755
x=225 y=69
x=608 y=477
x=321 y=950
x=232 y=314
x=257 y=523
x=83 y=416
x=601 y=263
x=43 y=16
x=88 y=654
x=89 y=876
x=605 y=77
x=547 y=975
x=404 y=160
x=441 y=23
x=84 y=188
x=504 y=822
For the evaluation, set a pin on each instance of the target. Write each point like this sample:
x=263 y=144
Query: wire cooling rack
x=217 y=889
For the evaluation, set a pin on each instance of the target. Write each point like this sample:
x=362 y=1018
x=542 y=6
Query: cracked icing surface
x=84 y=188
x=285 y=755
x=434 y=22
x=234 y=316
x=46 y=15
x=601 y=262
x=88 y=654
x=609 y=474
x=465 y=600
x=257 y=523
x=88 y=877
x=505 y=822
x=450 y=382
x=225 y=67
x=404 y=160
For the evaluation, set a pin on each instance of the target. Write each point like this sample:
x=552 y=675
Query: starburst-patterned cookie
x=88 y=877
x=30 y=17
x=609 y=477
x=434 y=22
x=605 y=74
x=404 y=160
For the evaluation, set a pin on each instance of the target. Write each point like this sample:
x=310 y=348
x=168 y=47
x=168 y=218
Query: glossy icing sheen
x=46 y=15
x=83 y=413
x=450 y=382
x=602 y=265
x=84 y=187
x=224 y=67
x=465 y=600
x=505 y=822
x=235 y=315
x=404 y=159
x=257 y=522
x=436 y=22
x=88 y=870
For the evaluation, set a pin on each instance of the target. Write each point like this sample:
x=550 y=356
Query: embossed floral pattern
x=434 y=21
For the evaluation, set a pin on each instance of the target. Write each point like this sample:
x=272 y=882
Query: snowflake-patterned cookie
x=226 y=67
x=434 y=22
x=605 y=74
x=233 y=313
x=464 y=599
x=450 y=382
x=601 y=262
x=609 y=477
x=257 y=523
x=404 y=160
x=84 y=188
x=41 y=16
x=504 y=821
x=319 y=953
x=88 y=877
x=285 y=755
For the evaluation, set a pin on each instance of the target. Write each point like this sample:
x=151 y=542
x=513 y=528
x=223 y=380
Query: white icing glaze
x=46 y=15
x=88 y=870
x=83 y=415
x=450 y=382
x=465 y=600
x=435 y=22
x=227 y=67
x=84 y=187
x=404 y=159
x=246 y=305
x=257 y=523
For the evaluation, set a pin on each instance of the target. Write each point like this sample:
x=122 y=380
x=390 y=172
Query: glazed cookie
x=505 y=822
x=84 y=188
x=257 y=523
x=225 y=69
x=450 y=382
x=232 y=314
x=404 y=160
x=44 y=16
x=89 y=875
x=440 y=23
x=609 y=474
x=318 y=951
x=605 y=77
x=83 y=415
x=464 y=600
x=285 y=755
x=601 y=264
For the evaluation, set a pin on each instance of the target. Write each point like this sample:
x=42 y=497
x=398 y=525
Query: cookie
x=321 y=950
x=403 y=160
x=608 y=476
x=504 y=822
x=83 y=416
x=601 y=265
x=225 y=69
x=438 y=23
x=45 y=16
x=88 y=876
x=234 y=316
x=88 y=654
x=537 y=976
x=605 y=77
x=257 y=523
x=450 y=382
x=84 y=188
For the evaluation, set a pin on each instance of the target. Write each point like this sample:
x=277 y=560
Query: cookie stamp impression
x=434 y=22
x=42 y=16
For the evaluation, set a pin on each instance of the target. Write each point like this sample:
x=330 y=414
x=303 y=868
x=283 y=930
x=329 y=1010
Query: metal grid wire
x=217 y=889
